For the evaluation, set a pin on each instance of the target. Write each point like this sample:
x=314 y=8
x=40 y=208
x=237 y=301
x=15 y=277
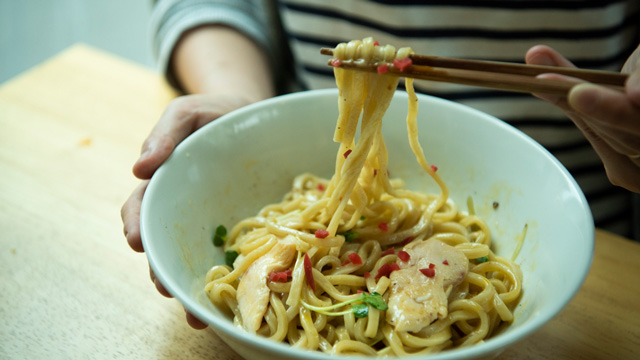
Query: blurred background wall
x=33 y=30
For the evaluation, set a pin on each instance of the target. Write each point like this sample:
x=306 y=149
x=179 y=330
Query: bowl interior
x=245 y=160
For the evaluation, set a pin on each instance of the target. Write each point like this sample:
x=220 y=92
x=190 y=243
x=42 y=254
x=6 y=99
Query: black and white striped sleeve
x=172 y=18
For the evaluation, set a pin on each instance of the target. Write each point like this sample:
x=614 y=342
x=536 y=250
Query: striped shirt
x=591 y=33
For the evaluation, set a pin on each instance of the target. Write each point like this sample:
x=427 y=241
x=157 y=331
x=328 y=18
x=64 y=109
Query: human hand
x=183 y=116
x=609 y=119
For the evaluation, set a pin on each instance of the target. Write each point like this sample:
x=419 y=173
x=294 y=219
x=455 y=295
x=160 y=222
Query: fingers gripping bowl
x=233 y=167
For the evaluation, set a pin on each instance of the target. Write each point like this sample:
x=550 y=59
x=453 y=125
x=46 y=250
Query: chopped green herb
x=230 y=257
x=374 y=299
x=362 y=217
x=483 y=259
x=360 y=310
x=220 y=236
x=349 y=235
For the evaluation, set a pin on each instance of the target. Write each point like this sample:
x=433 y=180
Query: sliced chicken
x=253 y=291
x=417 y=295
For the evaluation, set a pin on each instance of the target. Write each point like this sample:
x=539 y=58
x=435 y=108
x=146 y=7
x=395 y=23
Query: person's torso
x=592 y=34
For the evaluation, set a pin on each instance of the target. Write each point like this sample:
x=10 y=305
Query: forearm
x=215 y=59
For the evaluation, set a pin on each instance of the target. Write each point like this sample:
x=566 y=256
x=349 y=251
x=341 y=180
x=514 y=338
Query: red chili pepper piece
x=321 y=233
x=320 y=187
x=376 y=43
x=434 y=168
x=346 y=262
x=383 y=68
x=384 y=270
x=336 y=62
x=375 y=172
x=367 y=274
x=281 y=276
x=274 y=276
x=355 y=258
x=383 y=226
x=403 y=255
x=445 y=262
x=432 y=266
x=402 y=64
x=394 y=267
x=428 y=272
x=308 y=272
x=346 y=153
x=389 y=251
x=408 y=240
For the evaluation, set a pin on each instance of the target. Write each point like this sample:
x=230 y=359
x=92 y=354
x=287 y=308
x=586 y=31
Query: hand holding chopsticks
x=492 y=74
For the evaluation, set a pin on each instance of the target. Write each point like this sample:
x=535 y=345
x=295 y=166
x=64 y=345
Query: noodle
x=358 y=264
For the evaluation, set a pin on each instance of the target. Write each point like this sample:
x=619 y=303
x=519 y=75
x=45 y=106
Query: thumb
x=633 y=86
x=155 y=150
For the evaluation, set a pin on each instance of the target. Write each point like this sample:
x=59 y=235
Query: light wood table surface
x=70 y=287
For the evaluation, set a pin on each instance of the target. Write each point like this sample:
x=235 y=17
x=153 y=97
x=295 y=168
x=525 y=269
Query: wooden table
x=70 y=287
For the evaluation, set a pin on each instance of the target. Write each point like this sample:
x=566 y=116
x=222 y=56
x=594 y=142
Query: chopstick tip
x=326 y=51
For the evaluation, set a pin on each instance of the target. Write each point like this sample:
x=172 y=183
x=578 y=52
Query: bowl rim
x=492 y=345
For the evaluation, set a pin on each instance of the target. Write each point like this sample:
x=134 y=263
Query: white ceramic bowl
x=235 y=165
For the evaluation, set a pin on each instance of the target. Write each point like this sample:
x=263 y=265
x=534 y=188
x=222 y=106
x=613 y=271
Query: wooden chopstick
x=493 y=74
